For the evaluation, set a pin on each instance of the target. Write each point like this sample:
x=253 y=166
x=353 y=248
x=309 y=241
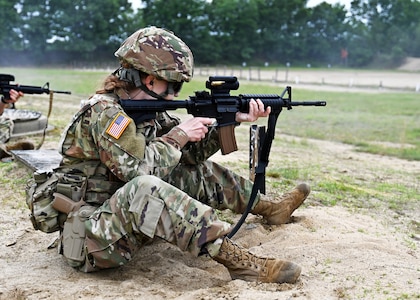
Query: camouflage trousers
x=6 y=129
x=179 y=209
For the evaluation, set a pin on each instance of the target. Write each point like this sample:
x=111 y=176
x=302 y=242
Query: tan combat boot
x=279 y=212
x=21 y=145
x=244 y=265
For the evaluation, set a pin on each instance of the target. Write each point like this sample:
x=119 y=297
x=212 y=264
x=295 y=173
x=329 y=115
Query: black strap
x=46 y=124
x=259 y=180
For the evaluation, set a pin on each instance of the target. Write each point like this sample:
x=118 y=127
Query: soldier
x=6 y=127
x=149 y=176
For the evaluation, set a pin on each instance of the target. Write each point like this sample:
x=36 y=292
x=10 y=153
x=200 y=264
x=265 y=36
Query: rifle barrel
x=309 y=103
x=62 y=92
x=31 y=89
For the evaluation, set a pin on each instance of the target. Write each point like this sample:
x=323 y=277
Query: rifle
x=5 y=87
x=219 y=104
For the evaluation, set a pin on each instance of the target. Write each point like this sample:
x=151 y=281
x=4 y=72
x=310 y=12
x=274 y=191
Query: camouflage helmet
x=157 y=52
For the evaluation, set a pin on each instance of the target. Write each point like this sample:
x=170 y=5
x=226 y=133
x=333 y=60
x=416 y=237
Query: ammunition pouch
x=71 y=185
x=71 y=182
x=39 y=197
x=63 y=201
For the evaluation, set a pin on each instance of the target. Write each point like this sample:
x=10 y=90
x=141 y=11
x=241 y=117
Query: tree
x=233 y=26
x=217 y=31
x=388 y=29
x=325 y=33
x=9 y=35
x=84 y=25
x=34 y=28
x=187 y=19
x=280 y=29
x=73 y=29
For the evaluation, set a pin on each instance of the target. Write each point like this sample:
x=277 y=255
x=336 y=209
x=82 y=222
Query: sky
x=311 y=3
x=135 y=3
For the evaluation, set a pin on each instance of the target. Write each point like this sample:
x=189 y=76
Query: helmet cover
x=157 y=52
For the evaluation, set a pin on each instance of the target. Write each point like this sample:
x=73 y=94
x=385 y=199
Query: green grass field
x=381 y=123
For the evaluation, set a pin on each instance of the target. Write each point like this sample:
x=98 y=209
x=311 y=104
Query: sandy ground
x=344 y=254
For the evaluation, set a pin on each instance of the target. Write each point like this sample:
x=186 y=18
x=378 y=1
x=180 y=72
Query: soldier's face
x=170 y=89
x=160 y=87
x=164 y=89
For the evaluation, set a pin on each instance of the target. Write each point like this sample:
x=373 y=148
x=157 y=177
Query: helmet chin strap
x=133 y=75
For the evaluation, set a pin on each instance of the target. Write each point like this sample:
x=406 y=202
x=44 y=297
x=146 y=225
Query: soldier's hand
x=14 y=96
x=196 y=128
x=256 y=110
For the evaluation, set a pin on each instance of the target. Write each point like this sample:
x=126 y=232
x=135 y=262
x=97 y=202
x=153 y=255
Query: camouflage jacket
x=101 y=131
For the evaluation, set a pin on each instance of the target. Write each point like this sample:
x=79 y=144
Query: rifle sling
x=259 y=181
x=229 y=145
x=46 y=124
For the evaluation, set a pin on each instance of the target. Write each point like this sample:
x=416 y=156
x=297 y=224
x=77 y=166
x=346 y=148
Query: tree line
x=374 y=33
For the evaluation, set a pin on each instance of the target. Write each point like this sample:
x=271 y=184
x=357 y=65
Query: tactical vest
x=88 y=181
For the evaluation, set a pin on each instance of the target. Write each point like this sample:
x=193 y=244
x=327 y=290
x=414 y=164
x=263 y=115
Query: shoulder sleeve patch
x=118 y=125
x=112 y=111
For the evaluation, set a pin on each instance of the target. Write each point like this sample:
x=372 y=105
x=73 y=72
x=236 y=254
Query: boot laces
x=246 y=258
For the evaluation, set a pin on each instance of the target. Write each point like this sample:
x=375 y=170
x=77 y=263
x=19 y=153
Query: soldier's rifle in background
x=6 y=87
x=219 y=104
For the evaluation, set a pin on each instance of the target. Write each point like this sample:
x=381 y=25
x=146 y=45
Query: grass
x=379 y=123
x=386 y=124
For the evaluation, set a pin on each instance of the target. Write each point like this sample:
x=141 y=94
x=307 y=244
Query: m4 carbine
x=5 y=87
x=218 y=104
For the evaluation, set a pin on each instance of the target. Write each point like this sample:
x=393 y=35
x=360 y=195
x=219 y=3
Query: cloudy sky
x=316 y=2
x=311 y=3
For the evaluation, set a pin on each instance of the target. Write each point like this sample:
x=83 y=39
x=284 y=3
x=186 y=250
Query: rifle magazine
x=227 y=139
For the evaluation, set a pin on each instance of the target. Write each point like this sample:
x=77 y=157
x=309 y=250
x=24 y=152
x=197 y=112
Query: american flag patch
x=118 y=125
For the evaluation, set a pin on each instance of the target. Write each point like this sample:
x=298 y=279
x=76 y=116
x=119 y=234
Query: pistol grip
x=227 y=139
x=6 y=95
x=64 y=204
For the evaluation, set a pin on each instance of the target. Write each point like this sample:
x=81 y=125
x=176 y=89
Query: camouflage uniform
x=6 y=129
x=158 y=184
x=140 y=178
